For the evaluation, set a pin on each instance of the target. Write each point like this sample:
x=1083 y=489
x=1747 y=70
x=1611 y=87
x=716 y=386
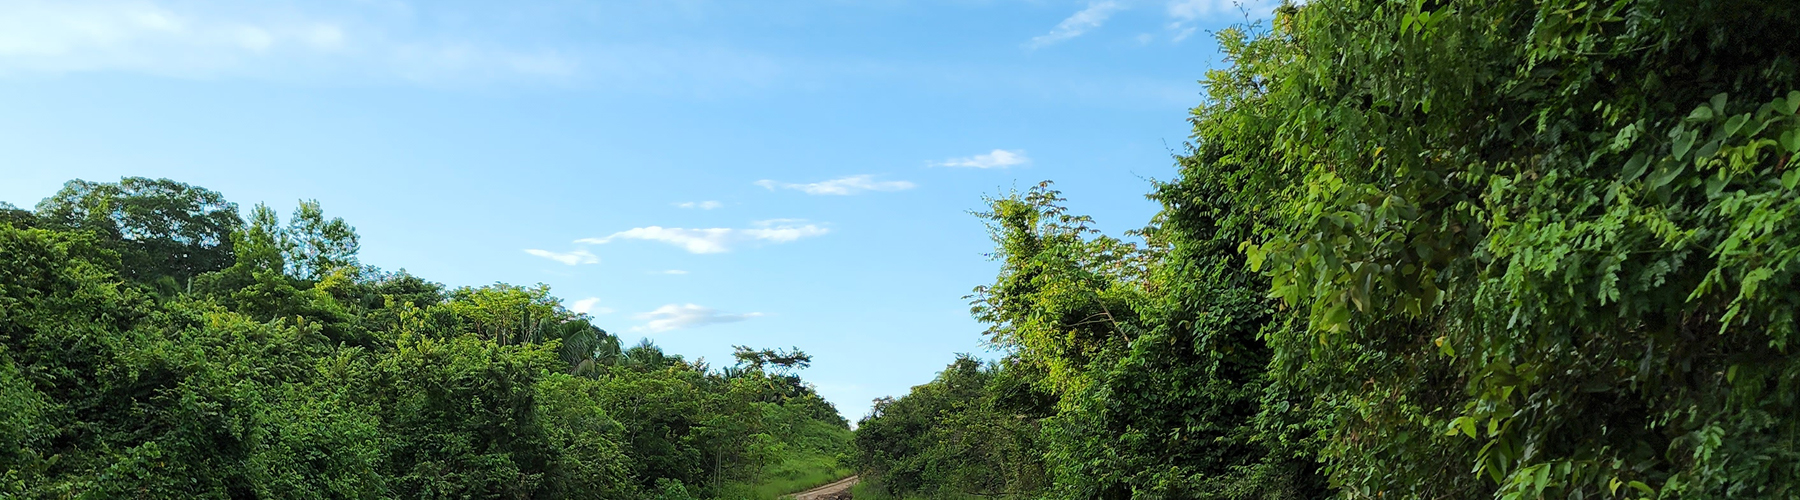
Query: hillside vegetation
x=1417 y=249
x=155 y=345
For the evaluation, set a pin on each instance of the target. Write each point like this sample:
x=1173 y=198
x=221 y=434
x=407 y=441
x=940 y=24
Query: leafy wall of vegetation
x=155 y=345
x=1427 y=249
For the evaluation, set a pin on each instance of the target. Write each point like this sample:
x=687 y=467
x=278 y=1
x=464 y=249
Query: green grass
x=799 y=472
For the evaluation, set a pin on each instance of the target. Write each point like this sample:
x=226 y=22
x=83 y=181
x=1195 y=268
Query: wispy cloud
x=680 y=316
x=717 y=239
x=570 y=258
x=1186 y=12
x=998 y=158
x=185 y=39
x=409 y=42
x=1183 y=34
x=841 y=186
x=1189 y=10
x=709 y=240
x=1075 y=25
x=782 y=230
x=676 y=272
x=589 y=305
x=703 y=205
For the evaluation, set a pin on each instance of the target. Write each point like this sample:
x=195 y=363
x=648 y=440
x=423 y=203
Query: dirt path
x=835 y=491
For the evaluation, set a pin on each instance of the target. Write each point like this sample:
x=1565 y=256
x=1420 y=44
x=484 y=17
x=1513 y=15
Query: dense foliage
x=953 y=435
x=154 y=345
x=1433 y=249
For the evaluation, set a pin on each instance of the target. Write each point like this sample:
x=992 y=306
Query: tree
x=950 y=438
x=317 y=246
x=295 y=372
x=1152 y=352
x=1536 y=249
x=162 y=228
x=782 y=360
x=19 y=218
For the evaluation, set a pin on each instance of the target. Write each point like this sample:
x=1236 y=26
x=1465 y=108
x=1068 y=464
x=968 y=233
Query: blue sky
x=700 y=173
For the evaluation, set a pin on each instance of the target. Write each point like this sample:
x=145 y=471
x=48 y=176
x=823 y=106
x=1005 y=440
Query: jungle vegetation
x=153 y=344
x=1430 y=249
x=1415 y=249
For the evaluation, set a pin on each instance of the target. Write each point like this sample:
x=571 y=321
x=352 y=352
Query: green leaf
x=1790 y=141
x=1464 y=425
x=1255 y=254
x=1790 y=179
x=1709 y=149
x=1665 y=173
x=1683 y=143
x=1634 y=167
x=1338 y=318
x=1735 y=124
x=1757 y=126
x=1714 y=185
x=1700 y=114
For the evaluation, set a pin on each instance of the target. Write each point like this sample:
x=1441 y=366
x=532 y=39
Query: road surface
x=835 y=491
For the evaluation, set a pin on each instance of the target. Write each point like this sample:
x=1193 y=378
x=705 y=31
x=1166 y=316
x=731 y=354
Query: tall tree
x=760 y=359
x=1152 y=351
x=318 y=246
x=163 y=228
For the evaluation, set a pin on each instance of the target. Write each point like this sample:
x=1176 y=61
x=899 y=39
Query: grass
x=799 y=472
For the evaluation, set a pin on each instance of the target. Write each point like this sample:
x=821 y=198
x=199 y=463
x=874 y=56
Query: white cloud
x=570 y=258
x=673 y=271
x=588 y=306
x=1193 y=9
x=201 y=40
x=717 y=239
x=712 y=240
x=679 y=316
x=1182 y=35
x=1187 y=11
x=1087 y=19
x=703 y=205
x=998 y=158
x=841 y=186
x=782 y=230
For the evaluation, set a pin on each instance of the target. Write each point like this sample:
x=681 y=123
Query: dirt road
x=835 y=491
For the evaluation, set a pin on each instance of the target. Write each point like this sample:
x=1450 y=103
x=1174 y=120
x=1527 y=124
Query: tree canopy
x=1432 y=250
x=283 y=368
x=162 y=228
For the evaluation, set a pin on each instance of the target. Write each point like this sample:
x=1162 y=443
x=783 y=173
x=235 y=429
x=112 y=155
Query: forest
x=1415 y=249
x=155 y=345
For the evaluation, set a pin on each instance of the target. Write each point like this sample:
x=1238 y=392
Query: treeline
x=1442 y=249
x=155 y=345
